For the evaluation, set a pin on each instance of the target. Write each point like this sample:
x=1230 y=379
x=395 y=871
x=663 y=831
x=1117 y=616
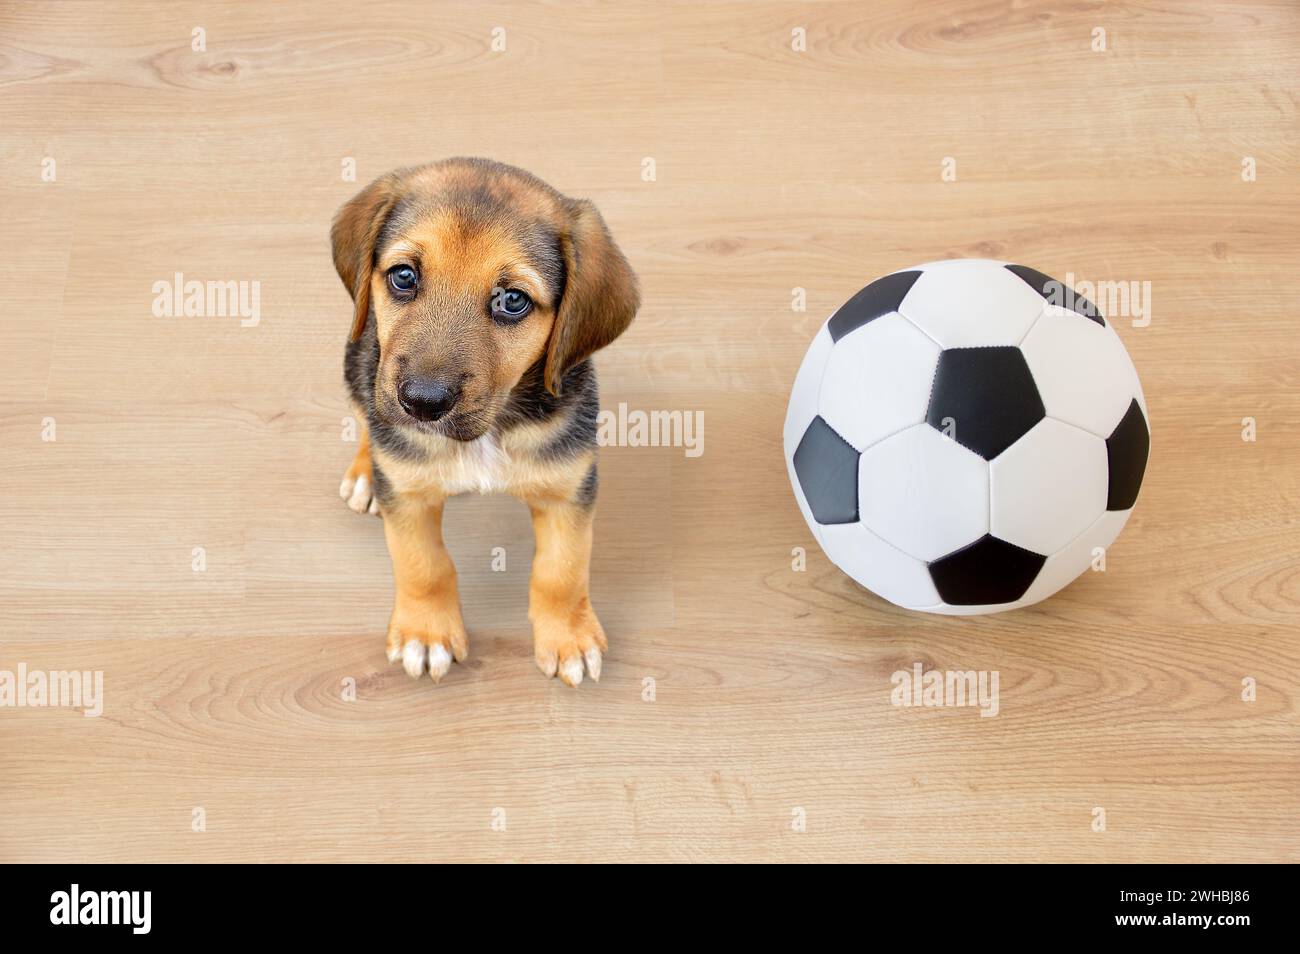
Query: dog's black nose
x=428 y=399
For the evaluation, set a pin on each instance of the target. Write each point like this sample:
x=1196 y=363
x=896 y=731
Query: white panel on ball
x=877 y=380
x=1083 y=373
x=881 y=568
x=1064 y=566
x=1048 y=487
x=972 y=303
x=923 y=493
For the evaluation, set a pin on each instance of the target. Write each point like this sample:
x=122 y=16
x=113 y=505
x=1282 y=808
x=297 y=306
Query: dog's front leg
x=426 y=630
x=566 y=632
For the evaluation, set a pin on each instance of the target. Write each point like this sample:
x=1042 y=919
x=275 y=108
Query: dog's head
x=472 y=272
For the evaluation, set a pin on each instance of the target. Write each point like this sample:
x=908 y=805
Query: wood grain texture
x=775 y=169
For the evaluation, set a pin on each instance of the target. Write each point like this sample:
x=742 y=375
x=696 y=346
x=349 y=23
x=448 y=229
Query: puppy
x=480 y=294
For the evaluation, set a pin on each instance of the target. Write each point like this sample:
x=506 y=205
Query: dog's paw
x=569 y=644
x=427 y=639
x=359 y=495
x=358 y=486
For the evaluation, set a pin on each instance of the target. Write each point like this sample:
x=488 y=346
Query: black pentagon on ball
x=881 y=297
x=984 y=398
x=1126 y=455
x=827 y=467
x=1057 y=293
x=988 y=572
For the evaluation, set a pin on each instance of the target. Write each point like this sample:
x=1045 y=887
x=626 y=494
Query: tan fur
x=460 y=267
x=565 y=627
x=461 y=259
x=427 y=605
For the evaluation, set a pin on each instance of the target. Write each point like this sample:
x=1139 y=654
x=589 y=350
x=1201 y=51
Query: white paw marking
x=548 y=664
x=374 y=506
x=395 y=654
x=571 y=670
x=592 y=657
x=439 y=661
x=360 y=498
x=413 y=658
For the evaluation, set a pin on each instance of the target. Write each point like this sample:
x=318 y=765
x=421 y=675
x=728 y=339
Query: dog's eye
x=510 y=305
x=403 y=279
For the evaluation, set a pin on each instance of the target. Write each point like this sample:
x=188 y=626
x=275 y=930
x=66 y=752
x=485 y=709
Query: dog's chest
x=480 y=466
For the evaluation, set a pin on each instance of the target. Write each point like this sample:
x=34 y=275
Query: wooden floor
x=225 y=690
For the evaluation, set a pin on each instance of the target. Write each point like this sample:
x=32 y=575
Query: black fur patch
x=382 y=488
x=586 y=495
x=577 y=407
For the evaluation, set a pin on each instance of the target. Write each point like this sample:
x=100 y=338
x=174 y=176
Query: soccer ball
x=962 y=436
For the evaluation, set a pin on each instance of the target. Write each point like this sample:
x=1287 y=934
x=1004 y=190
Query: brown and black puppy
x=480 y=294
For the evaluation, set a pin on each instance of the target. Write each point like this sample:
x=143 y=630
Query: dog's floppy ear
x=600 y=294
x=355 y=230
